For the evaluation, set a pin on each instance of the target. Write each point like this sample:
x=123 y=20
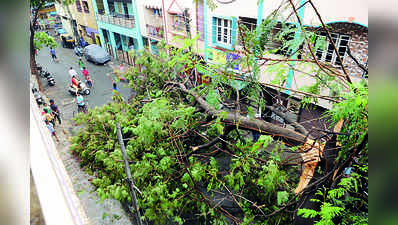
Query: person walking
x=114 y=86
x=55 y=111
x=81 y=63
x=51 y=129
x=87 y=77
x=72 y=72
x=49 y=117
x=52 y=52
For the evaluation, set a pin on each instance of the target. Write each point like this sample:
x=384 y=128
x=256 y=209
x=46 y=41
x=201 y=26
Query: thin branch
x=331 y=41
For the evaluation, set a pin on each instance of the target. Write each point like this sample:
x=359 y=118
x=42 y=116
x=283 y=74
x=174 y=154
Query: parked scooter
x=39 y=69
x=50 y=79
x=83 y=90
x=39 y=99
x=78 y=50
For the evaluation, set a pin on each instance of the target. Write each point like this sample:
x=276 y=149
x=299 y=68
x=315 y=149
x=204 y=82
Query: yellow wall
x=43 y=12
x=85 y=19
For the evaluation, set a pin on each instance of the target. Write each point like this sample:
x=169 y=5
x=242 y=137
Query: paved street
x=101 y=92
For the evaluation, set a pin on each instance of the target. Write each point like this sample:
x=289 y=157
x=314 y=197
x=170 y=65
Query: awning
x=154 y=4
x=91 y=30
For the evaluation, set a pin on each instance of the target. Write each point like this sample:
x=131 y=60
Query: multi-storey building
x=117 y=26
x=47 y=17
x=68 y=19
x=134 y=24
x=86 y=21
x=219 y=42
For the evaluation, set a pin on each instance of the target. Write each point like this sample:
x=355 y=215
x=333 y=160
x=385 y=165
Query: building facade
x=125 y=25
x=86 y=21
x=68 y=18
x=117 y=26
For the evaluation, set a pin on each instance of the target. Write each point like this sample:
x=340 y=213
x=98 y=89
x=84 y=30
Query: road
x=101 y=92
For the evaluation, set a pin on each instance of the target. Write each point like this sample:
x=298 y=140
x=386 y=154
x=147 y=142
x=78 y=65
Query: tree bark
x=260 y=126
x=33 y=64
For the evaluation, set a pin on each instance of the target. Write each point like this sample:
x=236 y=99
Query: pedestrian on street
x=52 y=52
x=72 y=72
x=114 y=86
x=49 y=117
x=81 y=63
x=45 y=107
x=51 y=129
x=87 y=77
x=55 y=111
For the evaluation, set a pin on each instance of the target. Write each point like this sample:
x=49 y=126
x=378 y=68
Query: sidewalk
x=108 y=212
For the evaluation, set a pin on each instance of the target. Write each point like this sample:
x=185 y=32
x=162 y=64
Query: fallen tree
x=201 y=152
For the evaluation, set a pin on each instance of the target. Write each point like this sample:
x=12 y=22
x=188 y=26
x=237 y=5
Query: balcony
x=127 y=21
x=154 y=31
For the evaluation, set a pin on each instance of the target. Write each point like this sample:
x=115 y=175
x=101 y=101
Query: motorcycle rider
x=80 y=102
x=75 y=83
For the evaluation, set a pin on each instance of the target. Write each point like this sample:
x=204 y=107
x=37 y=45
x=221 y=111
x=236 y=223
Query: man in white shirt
x=72 y=73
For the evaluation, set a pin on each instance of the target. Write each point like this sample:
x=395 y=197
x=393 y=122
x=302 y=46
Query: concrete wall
x=62 y=11
x=337 y=10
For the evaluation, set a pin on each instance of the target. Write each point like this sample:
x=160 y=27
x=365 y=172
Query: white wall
x=62 y=11
x=337 y=10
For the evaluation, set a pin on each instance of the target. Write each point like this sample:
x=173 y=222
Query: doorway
x=98 y=40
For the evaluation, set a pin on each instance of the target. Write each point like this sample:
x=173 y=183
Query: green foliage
x=43 y=40
x=162 y=128
x=167 y=185
x=338 y=202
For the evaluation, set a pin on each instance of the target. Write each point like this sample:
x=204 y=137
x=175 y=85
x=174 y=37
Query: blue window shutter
x=214 y=30
x=234 y=31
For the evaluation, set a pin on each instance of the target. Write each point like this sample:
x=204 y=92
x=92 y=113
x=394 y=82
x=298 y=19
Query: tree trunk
x=33 y=64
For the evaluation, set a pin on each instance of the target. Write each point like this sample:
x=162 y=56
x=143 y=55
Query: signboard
x=217 y=56
x=222 y=58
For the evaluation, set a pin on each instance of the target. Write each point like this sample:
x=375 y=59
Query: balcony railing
x=118 y=19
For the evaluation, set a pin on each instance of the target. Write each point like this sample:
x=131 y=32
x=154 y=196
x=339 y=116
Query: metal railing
x=118 y=19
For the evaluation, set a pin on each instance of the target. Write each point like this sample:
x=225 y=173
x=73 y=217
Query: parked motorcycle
x=50 y=79
x=83 y=90
x=38 y=98
x=78 y=50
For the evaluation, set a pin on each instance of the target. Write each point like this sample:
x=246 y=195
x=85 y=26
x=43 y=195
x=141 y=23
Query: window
x=249 y=23
x=329 y=55
x=78 y=6
x=111 y=6
x=178 y=22
x=223 y=31
x=119 y=7
x=85 y=7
